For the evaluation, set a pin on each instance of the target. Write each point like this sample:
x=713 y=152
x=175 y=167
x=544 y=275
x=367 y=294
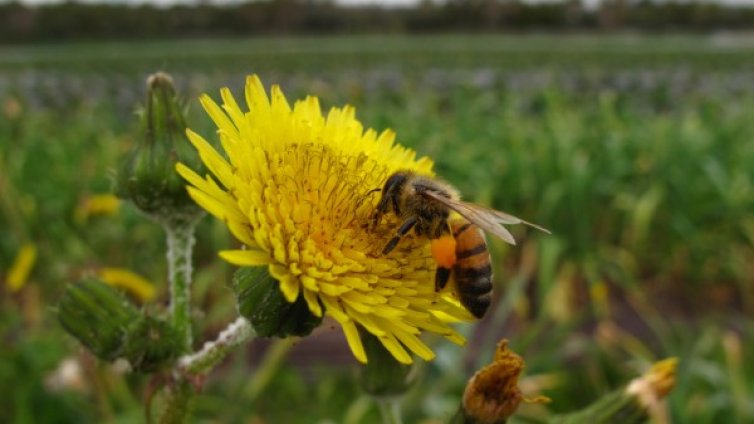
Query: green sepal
x=260 y=300
x=107 y=324
x=383 y=375
x=151 y=344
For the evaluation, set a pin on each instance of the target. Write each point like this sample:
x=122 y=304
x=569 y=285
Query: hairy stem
x=178 y=403
x=180 y=241
x=180 y=238
x=238 y=332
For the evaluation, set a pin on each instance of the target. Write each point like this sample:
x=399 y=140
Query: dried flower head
x=492 y=394
x=296 y=188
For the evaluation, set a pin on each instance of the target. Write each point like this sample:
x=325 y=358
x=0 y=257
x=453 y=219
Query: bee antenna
x=365 y=196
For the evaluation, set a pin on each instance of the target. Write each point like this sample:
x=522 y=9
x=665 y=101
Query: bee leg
x=442 y=275
x=396 y=208
x=379 y=211
x=404 y=228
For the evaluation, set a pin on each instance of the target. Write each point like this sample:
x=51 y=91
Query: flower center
x=329 y=198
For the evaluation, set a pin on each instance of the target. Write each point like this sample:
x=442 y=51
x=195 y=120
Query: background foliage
x=634 y=151
x=91 y=21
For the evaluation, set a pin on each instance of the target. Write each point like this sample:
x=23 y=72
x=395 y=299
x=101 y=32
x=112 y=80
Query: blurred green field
x=635 y=151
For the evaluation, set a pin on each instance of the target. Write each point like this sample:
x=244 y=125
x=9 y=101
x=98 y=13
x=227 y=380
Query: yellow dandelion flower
x=294 y=188
x=128 y=280
x=21 y=268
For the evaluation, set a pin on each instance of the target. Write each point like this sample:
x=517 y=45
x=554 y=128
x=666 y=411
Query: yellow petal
x=415 y=344
x=354 y=341
x=395 y=348
x=246 y=257
x=216 y=163
x=289 y=285
x=313 y=302
x=216 y=113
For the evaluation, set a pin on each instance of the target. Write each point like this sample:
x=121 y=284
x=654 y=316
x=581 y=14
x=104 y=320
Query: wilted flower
x=296 y=188
x=635 y=403
x=655 y=384
x=492 y=395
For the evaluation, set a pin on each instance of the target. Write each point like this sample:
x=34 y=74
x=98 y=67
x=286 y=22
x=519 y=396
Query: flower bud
x=97 y=316
x=261 y=302
x=147 y=176
x=108 y=325
x=383 y=375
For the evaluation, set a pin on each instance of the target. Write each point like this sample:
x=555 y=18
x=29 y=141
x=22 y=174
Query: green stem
x=390 y=410
x=201 y=362
x=180 y=238
x=178 y=403
x=180 y=241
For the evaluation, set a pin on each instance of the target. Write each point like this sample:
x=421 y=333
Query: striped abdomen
x=472 y=271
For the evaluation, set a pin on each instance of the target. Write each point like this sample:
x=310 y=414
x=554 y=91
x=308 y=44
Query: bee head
x=394 y=184
x=391 y=192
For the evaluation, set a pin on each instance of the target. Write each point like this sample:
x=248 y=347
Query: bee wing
x=488 y=219
x=505 y=218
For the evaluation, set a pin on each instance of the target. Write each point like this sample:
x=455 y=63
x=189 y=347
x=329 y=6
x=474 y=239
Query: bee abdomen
x=474 y=283
x=469 y=252
x=472 y=271
x=474 y=286
x=477 y=305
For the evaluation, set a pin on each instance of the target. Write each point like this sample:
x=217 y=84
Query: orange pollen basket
x=444 y=251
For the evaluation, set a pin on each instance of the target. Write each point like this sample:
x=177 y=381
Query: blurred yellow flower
x=128 y=280
x=19 y=271
x=98 y=204
x=12 y=108
x=296 y=190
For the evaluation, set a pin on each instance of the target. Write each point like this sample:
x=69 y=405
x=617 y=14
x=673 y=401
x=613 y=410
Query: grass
x=634 y=151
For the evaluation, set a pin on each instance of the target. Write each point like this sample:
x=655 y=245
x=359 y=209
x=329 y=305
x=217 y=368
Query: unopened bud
x=147 y=176
x=261 y=302
x=111 y=327
x=97 y=316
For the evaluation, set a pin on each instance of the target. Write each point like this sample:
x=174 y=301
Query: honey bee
x=458 y=245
